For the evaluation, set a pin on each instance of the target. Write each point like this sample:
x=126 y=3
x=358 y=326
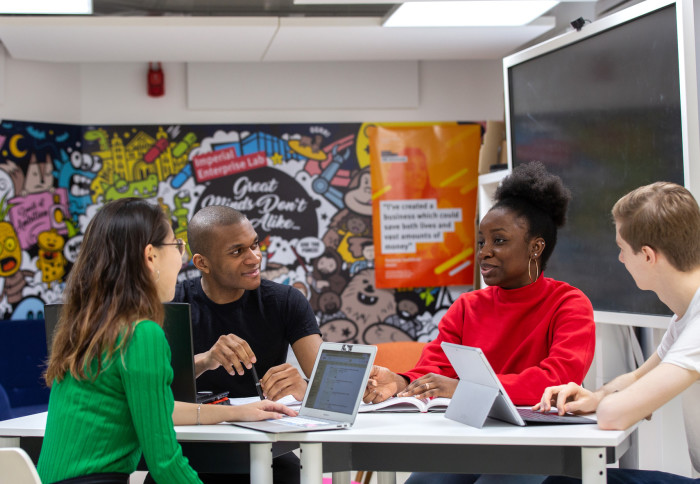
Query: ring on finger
x=427 y=386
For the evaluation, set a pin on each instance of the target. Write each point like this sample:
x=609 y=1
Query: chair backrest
x=398 y=356
x=22 y=362
x=5 y=407
x=16 y=467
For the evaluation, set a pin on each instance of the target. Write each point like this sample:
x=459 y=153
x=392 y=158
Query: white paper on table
x=243 y=400
x=288 y=400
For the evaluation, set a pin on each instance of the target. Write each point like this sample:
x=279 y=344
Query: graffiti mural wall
x=305 y=187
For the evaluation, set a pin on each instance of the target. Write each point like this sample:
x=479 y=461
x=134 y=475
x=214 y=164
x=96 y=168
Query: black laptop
x=178 y=330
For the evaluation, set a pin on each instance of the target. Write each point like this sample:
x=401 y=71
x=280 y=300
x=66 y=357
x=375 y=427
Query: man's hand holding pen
x=235 y=354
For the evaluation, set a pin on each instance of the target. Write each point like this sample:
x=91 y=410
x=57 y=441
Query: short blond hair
x=664 y=216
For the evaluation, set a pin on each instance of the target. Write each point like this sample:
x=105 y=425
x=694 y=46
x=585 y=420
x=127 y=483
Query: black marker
x=258 y=387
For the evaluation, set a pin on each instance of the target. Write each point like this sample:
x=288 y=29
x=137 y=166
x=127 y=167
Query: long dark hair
x=108 y=289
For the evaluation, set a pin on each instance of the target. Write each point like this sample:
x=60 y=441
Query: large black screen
x=604 y=114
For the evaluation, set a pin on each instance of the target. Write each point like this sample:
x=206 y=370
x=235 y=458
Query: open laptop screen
x=338 y=380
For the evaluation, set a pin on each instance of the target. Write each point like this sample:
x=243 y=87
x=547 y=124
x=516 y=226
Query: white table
x=431 y=443
x=389 y=442
x=213 y=436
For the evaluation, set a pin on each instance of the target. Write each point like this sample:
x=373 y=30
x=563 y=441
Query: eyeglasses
x=180 y=245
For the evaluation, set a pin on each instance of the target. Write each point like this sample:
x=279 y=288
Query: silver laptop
x=480 y=394
x=334 y=392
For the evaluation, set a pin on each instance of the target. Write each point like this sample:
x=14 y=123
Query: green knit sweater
x=103 y=425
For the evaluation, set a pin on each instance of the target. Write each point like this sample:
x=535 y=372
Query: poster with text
x=424 y=184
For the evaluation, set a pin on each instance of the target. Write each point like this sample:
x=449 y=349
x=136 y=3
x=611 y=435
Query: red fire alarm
x=156 y=80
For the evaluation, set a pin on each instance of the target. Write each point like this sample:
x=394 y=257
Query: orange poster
x=424 y=181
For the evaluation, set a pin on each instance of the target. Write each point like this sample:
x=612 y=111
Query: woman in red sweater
x=535 y=331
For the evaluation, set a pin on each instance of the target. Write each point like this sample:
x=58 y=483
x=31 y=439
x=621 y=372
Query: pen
x=257 y=382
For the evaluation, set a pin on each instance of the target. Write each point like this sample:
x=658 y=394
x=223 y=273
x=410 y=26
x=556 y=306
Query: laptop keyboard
x=539 y=417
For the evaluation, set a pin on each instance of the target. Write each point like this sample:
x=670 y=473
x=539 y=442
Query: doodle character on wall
x=10 y=261
x=51 y=261
x=327 y=282
x=39 y=177
x=36 y=215
x=75 y=172
x=366 y=304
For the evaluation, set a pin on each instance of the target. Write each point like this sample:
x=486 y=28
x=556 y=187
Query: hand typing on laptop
x=194 y=414
x=569 y=398
x=262 y=410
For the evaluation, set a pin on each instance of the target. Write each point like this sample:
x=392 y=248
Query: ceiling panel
x=251 y=39
x=353 y=39
x=134 y=39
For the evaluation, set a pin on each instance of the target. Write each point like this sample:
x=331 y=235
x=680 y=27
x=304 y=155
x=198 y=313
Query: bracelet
x=199 y=408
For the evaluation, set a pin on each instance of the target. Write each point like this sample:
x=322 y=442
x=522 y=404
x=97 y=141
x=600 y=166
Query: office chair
x=398 y=356
x=17 y=467
x=5 y=408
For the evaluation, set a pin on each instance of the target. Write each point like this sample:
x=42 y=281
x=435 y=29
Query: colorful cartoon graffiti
x=306 y=189
x=37 y=213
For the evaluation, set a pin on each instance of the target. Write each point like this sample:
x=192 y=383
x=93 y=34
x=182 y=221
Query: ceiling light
x=46 y=7
x=343 y=2
x=485 y=13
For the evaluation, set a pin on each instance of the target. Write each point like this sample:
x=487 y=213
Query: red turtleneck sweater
x=536 y=336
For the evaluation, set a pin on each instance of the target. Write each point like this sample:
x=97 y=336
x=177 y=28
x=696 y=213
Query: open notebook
x=407 y=404
x=480 y=394
x=333 y=394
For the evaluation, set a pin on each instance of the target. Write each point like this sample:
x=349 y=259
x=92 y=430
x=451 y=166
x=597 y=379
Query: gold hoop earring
x=529 y=270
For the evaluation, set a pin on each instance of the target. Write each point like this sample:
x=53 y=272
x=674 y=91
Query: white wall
x=447 y=91
x=40 y=91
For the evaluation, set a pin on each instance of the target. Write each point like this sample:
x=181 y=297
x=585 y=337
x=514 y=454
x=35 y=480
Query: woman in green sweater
x=110 y=370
